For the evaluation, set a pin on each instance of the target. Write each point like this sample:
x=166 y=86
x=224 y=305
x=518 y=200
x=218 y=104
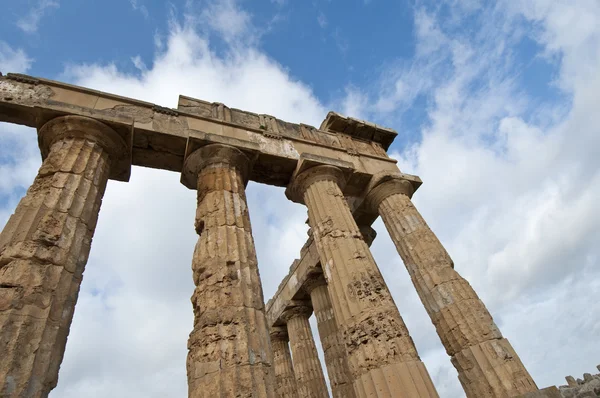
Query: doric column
x=44 y=248
x=307 y=367
x=486 y=362
x=336 y=359
x=382 y=357
x=229 y=351
x=282 y=363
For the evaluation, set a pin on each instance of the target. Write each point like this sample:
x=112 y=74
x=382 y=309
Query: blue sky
x=320 y=43
x=328 y=46
x=496 y=107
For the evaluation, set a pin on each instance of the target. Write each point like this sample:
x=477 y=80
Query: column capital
x=314 y=168
x=304 y=310
x=301 y=181
x=72 y=126
x=386 y=186
x=314 y=282
x=213 y=154
x=279 y=333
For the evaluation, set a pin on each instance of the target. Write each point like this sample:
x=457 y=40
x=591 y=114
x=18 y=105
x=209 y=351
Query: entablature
x=161 y=136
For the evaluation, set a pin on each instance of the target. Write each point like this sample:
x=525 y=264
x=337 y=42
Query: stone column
x=229 y=351
x=44 y=248
x=307 y=367
x=382 y=358
x=282 y=363
x=336 y=359
x=486 y=362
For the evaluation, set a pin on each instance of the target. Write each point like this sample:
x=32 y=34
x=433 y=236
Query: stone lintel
x=359 y=128
x=291 y=288
x=160 y=134
x=308 y=161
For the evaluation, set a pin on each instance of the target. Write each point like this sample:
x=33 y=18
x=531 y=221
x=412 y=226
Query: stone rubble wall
x=589 y=386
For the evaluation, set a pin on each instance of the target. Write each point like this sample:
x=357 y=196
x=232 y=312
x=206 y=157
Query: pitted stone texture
x=307 y=367
x=492 y=369
x=229 y=351
x=462 y=321
x=377 y=343
x=334 y=351
x=282 y=363
x=43 y=251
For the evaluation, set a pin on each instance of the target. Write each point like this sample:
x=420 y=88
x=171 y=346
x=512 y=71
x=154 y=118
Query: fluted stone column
x=44 y=248
x=229 y=351
x=486 y=362
x=307 y=367
x=282 y=363
x=334 y=351
x=382 y=358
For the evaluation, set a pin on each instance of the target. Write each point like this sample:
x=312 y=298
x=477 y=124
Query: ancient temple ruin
x=239 y=347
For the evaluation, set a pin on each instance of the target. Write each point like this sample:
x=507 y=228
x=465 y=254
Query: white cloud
x=510 y=180
x=340 y=41
x=30 y=22
x=19 y=158
x=322 y=20
x=12 y=60
x=231 y=22
x=140 y=7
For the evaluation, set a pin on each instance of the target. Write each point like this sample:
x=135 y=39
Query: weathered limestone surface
x=161 y=135
x=282 y=363
x=382 y=358
x=43 y=251
x=229 y=351
x=302 y=270
x=307 y=367
x=486 y=362
x=334 y=351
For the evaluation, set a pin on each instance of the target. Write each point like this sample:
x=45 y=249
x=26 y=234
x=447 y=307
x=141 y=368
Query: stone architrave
x=282 y=363
x=307 y=367
x=229 y=349
x=487 y=364
x=44 y=248
x=334 y=351
x=382 y=358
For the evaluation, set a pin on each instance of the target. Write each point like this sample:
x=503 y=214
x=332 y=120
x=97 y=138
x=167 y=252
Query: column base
x=548 y=392
x=492 y=369
x=233 y=381
x=399 y=380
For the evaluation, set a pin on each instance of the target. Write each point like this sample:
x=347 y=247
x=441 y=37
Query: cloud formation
x=11 y=60
x=511 y=174
x=29 y=23
x=140 y=7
